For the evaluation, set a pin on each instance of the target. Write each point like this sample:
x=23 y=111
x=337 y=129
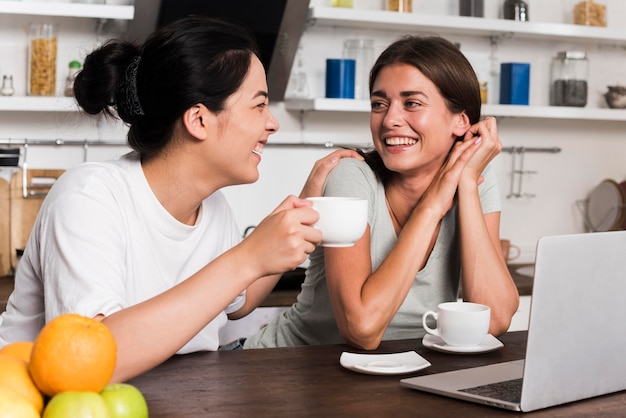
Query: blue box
x=514 y=83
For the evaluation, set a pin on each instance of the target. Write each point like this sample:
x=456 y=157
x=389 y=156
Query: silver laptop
x=576 y=333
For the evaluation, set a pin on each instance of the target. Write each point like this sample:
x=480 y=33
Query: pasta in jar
x=42 y=59
x=589 y=13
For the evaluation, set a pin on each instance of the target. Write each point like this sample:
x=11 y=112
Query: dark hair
x=444 y=64
x=193 y=60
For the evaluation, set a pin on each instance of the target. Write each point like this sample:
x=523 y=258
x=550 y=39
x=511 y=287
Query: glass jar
x=474 y=8
x=569 y=79
x=590 y=13
x=341 y=3
x=362 y=51
x=405 y=6
x=484 y=92
x=42 y=59
x=515 y=10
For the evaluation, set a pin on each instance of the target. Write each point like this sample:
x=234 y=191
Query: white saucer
x=490 y=343
x=398 y=363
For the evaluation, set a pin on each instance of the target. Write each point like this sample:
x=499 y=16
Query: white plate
x=490 y=343
x=398 y=363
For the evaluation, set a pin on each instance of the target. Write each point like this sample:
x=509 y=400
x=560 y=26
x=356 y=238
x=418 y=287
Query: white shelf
x=460 y=25
x=541 y=112
x=39 y=8
x=38 y=104
x=467 y=26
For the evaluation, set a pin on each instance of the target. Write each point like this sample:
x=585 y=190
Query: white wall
x=591 y=150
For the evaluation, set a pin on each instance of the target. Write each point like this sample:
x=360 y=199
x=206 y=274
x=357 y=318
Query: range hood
x=277 y=25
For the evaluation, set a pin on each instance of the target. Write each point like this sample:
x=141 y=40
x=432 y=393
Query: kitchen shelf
x=461 y=25
x=465 y=26
x=542 y=112
x=40 y=8
x=38 y=104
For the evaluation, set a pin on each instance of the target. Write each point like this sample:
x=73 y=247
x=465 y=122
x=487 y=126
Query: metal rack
x=35 y=190
x=517 y=168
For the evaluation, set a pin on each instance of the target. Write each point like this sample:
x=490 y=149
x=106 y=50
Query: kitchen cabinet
x=41 y=8
x=497 y=30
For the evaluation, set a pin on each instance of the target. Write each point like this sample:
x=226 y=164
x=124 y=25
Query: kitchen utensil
x=605 y=208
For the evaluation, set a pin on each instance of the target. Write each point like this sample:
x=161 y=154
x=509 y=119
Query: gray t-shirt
x=311 y=320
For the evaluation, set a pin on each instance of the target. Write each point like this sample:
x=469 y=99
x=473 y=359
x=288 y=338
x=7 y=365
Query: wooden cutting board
x=5 y=222
x=24 y=210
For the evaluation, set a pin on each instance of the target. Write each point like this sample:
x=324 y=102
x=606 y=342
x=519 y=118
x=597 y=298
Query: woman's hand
x=322 y=167
x=285 y=238
x=491 y=146
x=441 y=193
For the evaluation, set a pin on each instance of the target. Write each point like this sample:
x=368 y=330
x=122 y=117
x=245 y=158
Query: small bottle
x=298 y=82
x=7 y=86
x=515 y=10
x=484 y=92
x=74 y=68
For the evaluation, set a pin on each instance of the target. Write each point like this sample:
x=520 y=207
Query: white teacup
x=342 y=219
x=459 y=324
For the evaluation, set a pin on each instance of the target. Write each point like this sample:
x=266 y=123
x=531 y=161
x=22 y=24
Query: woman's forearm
x=486 y=278
x=152 y=331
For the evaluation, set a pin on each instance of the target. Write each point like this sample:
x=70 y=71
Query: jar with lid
x=569 y=79
x=474 y=8
x=42 y=59
x=484 y=92
x=362 y=51
x=405 y=6
x=589 y=12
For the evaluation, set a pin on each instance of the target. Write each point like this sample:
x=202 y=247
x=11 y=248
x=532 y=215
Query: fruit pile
x=65 y=373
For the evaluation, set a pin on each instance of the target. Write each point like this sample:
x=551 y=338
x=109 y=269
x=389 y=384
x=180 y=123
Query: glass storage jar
x=405 y=6
x=589 y=12
x=42 y=59
x=362 y=51
x=569 y=79
x=474 y=8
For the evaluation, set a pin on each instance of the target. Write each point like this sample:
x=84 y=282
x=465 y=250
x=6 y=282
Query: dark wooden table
x=309 y=381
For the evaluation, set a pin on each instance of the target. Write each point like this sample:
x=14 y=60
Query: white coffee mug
x=342 y=219
x=459 y=324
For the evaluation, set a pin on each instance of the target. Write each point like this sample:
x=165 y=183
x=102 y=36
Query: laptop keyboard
x=509 y=390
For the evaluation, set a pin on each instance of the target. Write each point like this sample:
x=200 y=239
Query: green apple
x=124 y=401
x=73 y=404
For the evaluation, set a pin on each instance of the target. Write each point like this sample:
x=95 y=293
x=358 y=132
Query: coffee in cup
x=459 y=324
x=342 y=219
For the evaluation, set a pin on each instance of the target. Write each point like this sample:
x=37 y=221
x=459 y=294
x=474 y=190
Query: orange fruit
x=14 y=405
x=19 y=349
x=73 y=353
x=14 y=376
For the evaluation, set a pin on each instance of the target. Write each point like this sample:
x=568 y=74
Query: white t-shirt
x=103 y=242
